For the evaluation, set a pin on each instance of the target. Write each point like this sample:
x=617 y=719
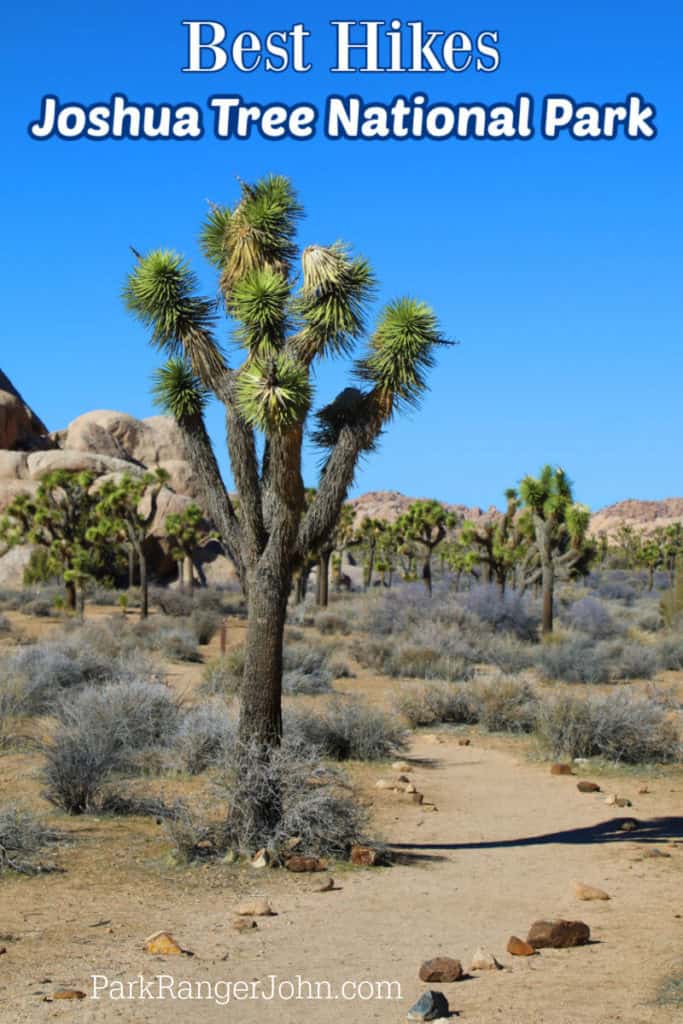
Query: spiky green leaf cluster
x=259 y=302
x=261 y=232
x=273 y=393
x=160 y=291
x=331 y=305
x=214 y=237
x=179 y=391
x=400 y=352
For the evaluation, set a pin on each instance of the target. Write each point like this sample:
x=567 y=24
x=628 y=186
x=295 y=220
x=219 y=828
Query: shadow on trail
x=655 y=830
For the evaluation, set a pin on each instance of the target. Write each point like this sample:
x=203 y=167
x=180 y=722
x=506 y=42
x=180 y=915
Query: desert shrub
x=177 y=643
x=224 y=674
x=411 y=660
x=634 y=661
x=649 y=619
x=347 y=731
x=575 y=660
x=618 y=727
x=204 y=736
x=590 y=616
x=331 y=623
x=136 y=714
x=22 y=835
x=617 y=585
x=506 y=611
x=438 y=703
x=5 y=625
x=34 y=677
x=508 y=654
x=338 y=668
x=172 y=602
x=101 y=730
x=507 y=705
x=318 y=807
x=669 y=650
x=75 y=769
x=305 y=670
x=205 y=623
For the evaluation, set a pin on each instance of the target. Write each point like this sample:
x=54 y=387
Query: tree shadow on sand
x=655 y=830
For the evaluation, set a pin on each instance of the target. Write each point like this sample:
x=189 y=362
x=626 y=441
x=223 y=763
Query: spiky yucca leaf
x=332 y=300
x=273 y=393
x=160 y=291
x=259 y=302
x=261 y=232
x=178 y=390
x=214 y=235
x=400 y=351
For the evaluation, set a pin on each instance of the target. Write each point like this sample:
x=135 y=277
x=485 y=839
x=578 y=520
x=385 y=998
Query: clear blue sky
x=556 y=265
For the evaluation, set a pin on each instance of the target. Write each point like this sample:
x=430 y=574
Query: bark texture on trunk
x=324 y=578
x=260 y=711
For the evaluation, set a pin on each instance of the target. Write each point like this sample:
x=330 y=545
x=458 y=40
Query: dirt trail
x=501 y=851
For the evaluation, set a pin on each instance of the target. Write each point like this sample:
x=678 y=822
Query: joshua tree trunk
x=189 y=573
x=260 y=712
x=427 y=573
x=144 y=585
x=181 y=576
x=548 y=587
x=324 y=577
x=70 y=595
x=131 y=567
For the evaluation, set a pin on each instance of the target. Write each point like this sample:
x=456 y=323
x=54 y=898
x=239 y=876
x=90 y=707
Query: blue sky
x=556 y=265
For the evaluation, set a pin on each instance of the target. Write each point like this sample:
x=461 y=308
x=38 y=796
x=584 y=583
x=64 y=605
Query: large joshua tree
x=286 y=320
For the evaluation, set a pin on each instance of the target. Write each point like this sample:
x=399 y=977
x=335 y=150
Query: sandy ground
x=501 y=851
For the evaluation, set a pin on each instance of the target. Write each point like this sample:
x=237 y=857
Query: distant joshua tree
x=287 y=321
x=559 y=528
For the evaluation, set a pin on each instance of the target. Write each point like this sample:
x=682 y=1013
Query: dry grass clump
x=206 y=733
x=438 y=703
x=22 y=835
x=347 y=730
x=317 y=804
x=102 y=731
x=506 y=705
x=619 y=727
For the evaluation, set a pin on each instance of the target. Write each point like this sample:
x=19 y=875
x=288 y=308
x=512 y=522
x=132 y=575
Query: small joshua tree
x=559 y=526
x=125 y=512
x=57 y=520
x=427 y=523
x=185 y=532
x=286 y=322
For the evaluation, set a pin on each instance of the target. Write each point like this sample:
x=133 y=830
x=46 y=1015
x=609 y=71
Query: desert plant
x=348 y=731
x=426 y=523
x=22 y=835
x=618 y=727
x=57 y=519
x=100 y=731
x=305 y=671
x=670 y=652
x=590 y=616
x=223 y=676
x=124 y=514
x=205 y=734
x=438 y=703
x=575 y=659
x=205 y=623
x=506 y=705
x=317 y=806
x=253 y=248
x=506 y=611
x=559 y=528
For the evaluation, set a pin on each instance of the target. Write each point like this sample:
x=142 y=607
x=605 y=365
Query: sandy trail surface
x=501 y=851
